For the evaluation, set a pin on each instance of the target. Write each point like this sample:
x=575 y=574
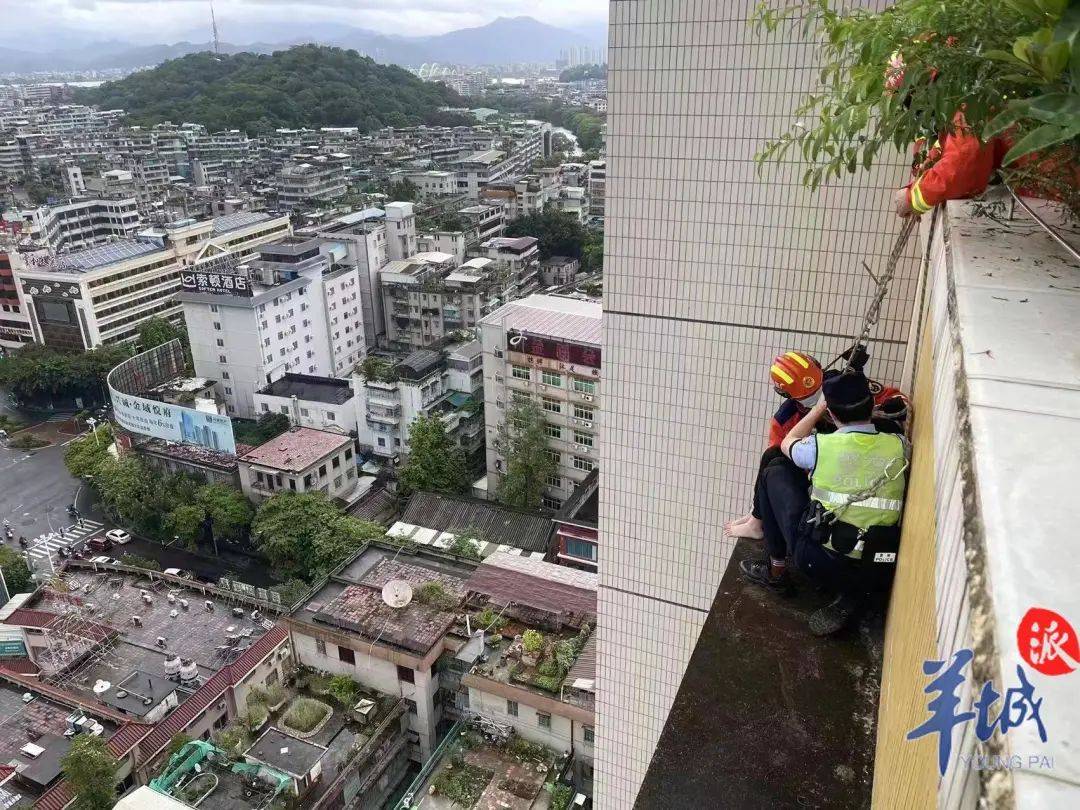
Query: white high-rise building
x=700 y=292
x=289 y=311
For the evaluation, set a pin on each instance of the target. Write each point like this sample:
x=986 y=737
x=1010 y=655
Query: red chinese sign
x=572 y=353
x=1048 y=642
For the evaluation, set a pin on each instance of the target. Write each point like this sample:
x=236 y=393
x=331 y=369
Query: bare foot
x=748 y=526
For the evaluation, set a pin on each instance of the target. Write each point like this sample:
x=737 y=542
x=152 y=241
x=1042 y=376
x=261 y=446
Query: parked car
x=99 y=544
x=118 y=536
x=179 y=572
x=105 y=560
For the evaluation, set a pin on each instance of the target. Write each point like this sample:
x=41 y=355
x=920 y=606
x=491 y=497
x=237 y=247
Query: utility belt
x=873 y=550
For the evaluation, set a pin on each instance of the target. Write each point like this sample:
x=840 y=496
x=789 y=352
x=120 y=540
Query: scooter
x=23 y=542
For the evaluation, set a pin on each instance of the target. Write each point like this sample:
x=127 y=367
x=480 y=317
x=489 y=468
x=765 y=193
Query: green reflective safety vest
x=847 y=463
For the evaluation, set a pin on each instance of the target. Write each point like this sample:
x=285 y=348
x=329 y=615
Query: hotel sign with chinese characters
x=215 y=283
x=572 y=353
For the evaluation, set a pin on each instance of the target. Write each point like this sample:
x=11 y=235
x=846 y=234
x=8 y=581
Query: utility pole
x=213 y=27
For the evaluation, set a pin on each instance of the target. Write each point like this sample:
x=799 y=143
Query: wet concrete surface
x=768 y=715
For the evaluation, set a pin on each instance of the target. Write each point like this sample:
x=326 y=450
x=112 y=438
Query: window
x=553 y=431
x=303 y=411
x=583 y=412
x=285 y=409
x=348 y=453
x=337 y=482
x=412 y=705
x=224 y=375
x=330 y=416
x=543 y=720
x=220 y=342
x=585 y=439
x=582 y=549
x=521 y=373
x=588 y=734
x=584 y=464
x=512 y=708
x=228 y=391
x=551 y=503
x=320 y=646
x=265 y=408
x=213 y=308
x=554 y=481
x=292 y=484
x=406 y=674
x=554 y=456
x=551 y=378
x=346 y=655
x=552 y=405
x=217 y=326
x=584 y=386
x=222 y=358
x=382 y=442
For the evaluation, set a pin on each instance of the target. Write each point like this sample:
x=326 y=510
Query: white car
x=118 y=536
x=104 y=561
x=178 y=572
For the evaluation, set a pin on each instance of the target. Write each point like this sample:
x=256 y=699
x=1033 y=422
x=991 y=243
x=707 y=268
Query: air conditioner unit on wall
x=588 y=398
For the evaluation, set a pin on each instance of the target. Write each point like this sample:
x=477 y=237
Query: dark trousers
x=781 y=498
x=769 y=456
x=781 y=495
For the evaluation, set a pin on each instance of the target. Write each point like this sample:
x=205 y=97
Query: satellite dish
x=101 y=687
x=397 y=593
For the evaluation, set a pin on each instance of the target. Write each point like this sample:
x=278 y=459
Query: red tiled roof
x=297 y=449
x=5 y=772
x=28 y=617
x=61 y=696
x=23 y=666
x=506 y=578
x=132 y=734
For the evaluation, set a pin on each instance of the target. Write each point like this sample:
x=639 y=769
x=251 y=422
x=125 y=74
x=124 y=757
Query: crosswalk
x=42 y=546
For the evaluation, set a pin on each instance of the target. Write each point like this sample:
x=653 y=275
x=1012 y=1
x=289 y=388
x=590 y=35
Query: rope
x=873 y=313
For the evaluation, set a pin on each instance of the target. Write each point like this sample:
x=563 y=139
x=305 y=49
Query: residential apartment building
x=318 y=179
x=321 y=403
x=546 y=349
x=523 y=195
x=687 y=373
x=102 y=294
x=14 y=320
x=517 y=262
x=597 y=188
x=289 y=310
x=299 y=460
x=424 y=383
x=400 y=230
x=82 y=224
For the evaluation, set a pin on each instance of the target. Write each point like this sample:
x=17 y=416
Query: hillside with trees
x=308 y=85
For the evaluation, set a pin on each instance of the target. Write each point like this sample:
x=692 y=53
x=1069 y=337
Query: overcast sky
x=152 y=21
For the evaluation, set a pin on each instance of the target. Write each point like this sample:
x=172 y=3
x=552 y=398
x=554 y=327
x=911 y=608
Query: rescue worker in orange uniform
x=955 y=166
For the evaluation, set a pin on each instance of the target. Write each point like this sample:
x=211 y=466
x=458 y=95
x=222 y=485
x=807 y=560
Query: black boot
x=759 y=572
x=835 y=616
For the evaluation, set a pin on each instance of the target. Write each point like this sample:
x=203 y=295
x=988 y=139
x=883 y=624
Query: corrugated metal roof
x=552 y=317
x=508 y=578
x=584 y=668
x=493 y=523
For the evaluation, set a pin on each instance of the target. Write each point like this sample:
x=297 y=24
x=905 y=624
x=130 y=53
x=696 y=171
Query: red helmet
x=796 y=375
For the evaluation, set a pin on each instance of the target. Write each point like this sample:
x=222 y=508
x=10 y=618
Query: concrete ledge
x=767 y=715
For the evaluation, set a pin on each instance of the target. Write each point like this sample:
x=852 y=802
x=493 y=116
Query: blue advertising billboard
x=163 y=420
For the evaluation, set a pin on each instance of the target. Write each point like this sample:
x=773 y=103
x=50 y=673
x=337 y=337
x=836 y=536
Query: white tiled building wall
x=711 y=269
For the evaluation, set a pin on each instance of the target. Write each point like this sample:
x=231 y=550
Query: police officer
x=842 y=531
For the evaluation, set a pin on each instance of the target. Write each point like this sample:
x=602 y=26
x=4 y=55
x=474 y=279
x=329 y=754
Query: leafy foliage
x=378 y=369
x=436 y=462
x=229 y=511
x=467 y=544
x=532 y=641
x=561 y=234
x=462 y=783
x=304 y=535
x=487 y=619
x=435 y=595
x=304 y=86
x=156 y=331
x=523 y=443
x=344 y=690
x=16 y=574
x=561 y=795
x=580 y=73
x=1011 y=68
x=35 y=371
x=305 y=713
x=90 y=770
x=84 y=456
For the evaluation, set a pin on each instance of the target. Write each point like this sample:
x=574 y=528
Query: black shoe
x=835 y=616
x=759 y=572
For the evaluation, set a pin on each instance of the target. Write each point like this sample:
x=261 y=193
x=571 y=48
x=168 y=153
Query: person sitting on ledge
x=842 y=531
